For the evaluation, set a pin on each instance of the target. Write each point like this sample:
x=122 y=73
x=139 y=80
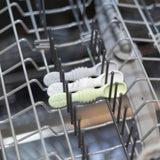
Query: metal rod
x=67 y=96
x=103 y=60
x=87 y=151
x=149 y=16
x=111 y=86
x=107 y=68
x=124 y=119
x=63 y=81
x=83 y=145
x=44 y=16
x=79 y=132
x=119 y=108
x=66 y=135
x=115 y=97
x=129 y=136
x=53 y=50
x=117 y=129
x=95 y=44
x=71 y=107
x=60 y=69
x=84 y=10
x=133 y=148
x=75 y=120
x=92 y=34
x=99 y=49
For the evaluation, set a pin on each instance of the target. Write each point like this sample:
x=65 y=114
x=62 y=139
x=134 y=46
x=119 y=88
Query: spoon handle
x=79 y=73
x=86 y=95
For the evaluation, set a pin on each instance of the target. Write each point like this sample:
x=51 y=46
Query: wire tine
x=103 y=61
x=67 y=95
x=111 y=86
x=95 y=44
x=106 y=73
x=124 y=119
x=99 y=49
x=71 y=108
x=117 y=129
x=129 y=136
x=83 y=145
x=119 y=108
x=92 y=34
x=133 y=148
x=53 y=49
x=75 y=120
x=44 y=16
x=79 y=132
x=78 y=8
x=115 y=97
x=87 y=151
x=63 y=80
x=84 y=9
x=60 y=69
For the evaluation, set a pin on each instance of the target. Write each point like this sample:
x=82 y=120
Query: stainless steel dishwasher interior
x=129 y=32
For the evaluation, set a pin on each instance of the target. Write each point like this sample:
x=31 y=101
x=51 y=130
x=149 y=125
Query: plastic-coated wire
x=9 y=115
x=27 y=79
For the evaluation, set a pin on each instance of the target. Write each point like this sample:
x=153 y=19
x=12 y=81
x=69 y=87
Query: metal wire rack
x=29 y=52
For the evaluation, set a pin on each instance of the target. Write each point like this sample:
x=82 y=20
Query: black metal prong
x=95 y=43
x=119 y=108
x=111 y=86
x=60 y=69
x=124 y=119
x=75 y=120
x=83 y=145
x=79 y=131
x=44 y=16
x=129 y=136
x=92 y=35
x=53 y=50
x=103 y=60
x=63 y=80
x=99 y=49
x=67 y=95
x=107 y=68
x=70 y=109
x=87 y=151
x=78 y=9
x=115 y=97
x=84 y=9
x=133 y=147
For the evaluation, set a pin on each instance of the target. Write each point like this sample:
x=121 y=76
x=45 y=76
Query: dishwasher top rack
x=83 y=39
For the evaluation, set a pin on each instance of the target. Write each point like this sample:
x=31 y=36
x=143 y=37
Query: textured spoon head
x=51 y=78
x=122 y=88
x=55 y=88
x=58 y=100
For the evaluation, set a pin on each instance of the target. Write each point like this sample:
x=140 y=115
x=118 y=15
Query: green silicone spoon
x=58 y=100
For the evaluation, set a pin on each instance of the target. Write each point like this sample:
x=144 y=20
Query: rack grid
x=146 y=104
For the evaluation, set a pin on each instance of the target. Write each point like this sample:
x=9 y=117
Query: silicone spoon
x=84 y=83
x=58 y=100
x=75 y=74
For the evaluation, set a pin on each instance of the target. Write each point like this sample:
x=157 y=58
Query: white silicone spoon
x=85 y=83
x=75 y=74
